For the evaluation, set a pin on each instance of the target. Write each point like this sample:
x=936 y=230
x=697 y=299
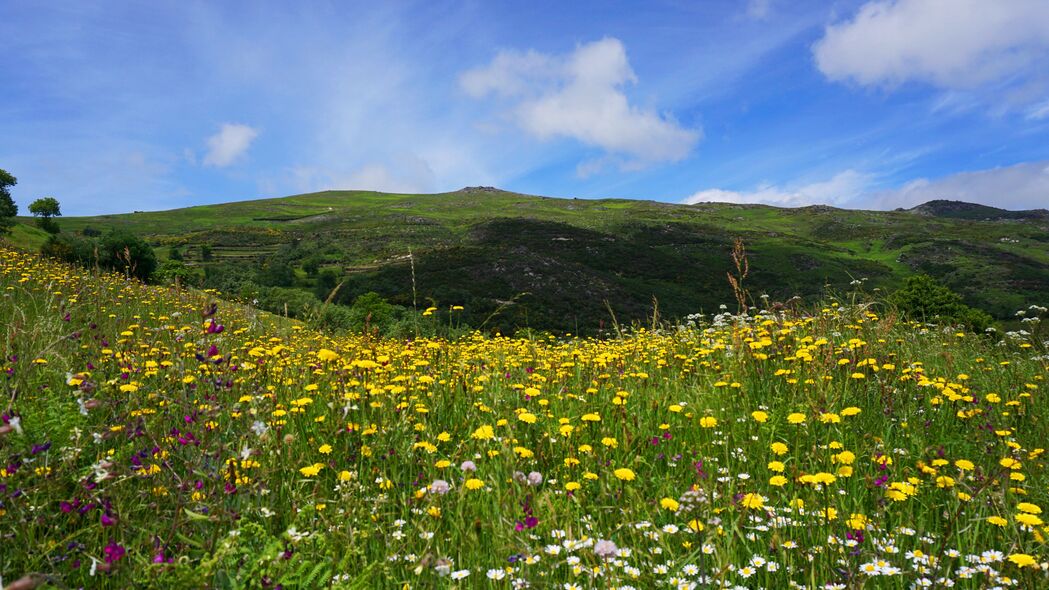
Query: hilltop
x=553 y=263
x=974 y=211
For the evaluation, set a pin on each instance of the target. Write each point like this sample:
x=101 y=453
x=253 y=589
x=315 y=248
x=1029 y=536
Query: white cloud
x=842 y=188
x=951 y=44
x=1021 y=186
x=229 y=144
x=580 y=96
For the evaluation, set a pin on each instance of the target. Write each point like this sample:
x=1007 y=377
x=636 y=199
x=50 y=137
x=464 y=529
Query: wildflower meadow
x=158 y=437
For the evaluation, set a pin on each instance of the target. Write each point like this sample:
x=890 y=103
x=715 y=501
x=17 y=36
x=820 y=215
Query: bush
x=923 y=298
x=334 y=317
x=68 y=248
x=171 y=271
x=117 y=250
x=129 y=253
x=276 y=273
x=292 y=302
x=372 y=311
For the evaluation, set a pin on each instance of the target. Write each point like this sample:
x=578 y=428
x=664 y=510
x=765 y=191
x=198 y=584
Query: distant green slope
x=483 y=247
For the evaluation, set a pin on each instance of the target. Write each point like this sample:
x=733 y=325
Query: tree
x=8 y=208
x=44 y=209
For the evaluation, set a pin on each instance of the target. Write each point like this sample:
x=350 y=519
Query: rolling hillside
x=553 y=263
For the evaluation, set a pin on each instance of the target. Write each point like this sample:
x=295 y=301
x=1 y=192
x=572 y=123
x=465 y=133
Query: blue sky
x=113 y=107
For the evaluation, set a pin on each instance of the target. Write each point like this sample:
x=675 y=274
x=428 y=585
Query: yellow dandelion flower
x=484 y=433
x=753 y=501
x=1028 y=519
x=327 y=355
x=1023 y=560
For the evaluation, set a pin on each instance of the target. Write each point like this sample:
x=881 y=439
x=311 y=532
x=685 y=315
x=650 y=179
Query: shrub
x=923 y=298
x=372 y=310
x=117 y=250
x=171 y=271
x=124 y=251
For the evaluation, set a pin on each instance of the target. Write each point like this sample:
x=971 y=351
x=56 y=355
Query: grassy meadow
x=155 y=437
x=564 y=262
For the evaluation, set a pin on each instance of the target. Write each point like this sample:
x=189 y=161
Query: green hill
x=553 y=263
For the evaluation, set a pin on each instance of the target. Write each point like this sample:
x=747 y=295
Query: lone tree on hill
x=44 y=209
x=8 y=208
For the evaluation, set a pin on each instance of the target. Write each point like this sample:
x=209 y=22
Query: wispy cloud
x=580 y=96
x=98 y=173
x=1038 y=111
x=403 y=173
